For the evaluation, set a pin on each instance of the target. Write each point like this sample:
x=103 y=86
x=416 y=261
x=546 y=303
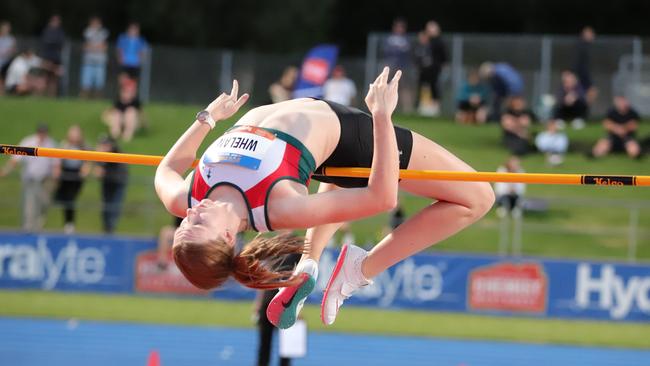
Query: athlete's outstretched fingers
x=235 y=89
x=396 y=77
x=244 y=97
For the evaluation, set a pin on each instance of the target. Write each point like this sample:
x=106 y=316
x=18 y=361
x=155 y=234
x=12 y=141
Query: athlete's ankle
x=308 y=266
x=364 y=271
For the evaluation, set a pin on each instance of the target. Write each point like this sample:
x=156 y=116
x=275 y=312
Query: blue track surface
x=27 y=342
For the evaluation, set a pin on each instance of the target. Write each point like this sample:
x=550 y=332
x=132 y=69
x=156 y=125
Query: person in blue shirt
x=472 y=100
x=504 y=81
x=131 y=47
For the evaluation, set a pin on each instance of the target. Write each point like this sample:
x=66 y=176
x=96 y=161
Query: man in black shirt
x=621 y=124
x=438 y=60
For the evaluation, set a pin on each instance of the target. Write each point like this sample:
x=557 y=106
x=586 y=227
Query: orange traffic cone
x=154 y=358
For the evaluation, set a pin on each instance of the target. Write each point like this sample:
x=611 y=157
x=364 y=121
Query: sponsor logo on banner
x=152 y=278
x=315 y=70
x=39 y=263
x=508 y=287
x=610 y=291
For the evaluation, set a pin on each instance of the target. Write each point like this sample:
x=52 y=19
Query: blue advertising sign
x=446 y=282
x=315 y=69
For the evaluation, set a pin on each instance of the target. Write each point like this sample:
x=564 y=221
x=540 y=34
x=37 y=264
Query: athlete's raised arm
x=170 y=185
x=350 y=204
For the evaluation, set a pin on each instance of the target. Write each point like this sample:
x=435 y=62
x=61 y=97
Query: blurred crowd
x=29 y=70
x=491 y=92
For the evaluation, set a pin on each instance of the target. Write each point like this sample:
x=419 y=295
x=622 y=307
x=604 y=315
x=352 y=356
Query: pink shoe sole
x=337 y=269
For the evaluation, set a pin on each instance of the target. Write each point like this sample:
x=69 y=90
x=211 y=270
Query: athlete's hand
x=382 y=95
x=227 y=104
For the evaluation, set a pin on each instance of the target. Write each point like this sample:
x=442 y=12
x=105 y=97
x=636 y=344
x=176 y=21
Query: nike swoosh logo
x=286 y=304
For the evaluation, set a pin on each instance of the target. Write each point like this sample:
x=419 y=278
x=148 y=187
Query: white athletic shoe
x=283 y=310
x=344 y=281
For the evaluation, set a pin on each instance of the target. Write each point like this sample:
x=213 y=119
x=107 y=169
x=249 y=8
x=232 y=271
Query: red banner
x=508 y=287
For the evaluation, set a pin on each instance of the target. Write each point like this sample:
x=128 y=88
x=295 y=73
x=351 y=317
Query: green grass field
x=352 y=319
x=565 y=230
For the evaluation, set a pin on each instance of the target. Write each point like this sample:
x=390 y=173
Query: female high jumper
x=255 y=176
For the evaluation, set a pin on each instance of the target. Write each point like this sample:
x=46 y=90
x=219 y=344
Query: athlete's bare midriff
x=310 y=121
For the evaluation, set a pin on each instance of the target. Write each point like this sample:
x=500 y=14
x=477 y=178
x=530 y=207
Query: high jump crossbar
x=534 y=178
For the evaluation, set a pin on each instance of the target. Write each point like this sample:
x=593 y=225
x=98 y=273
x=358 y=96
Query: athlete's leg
x=319 y=236
x=459 y=204
x=283 y=310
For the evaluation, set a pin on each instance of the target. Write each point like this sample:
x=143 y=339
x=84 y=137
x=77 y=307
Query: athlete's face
x=206 y=222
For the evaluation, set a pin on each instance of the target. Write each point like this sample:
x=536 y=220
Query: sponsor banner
x=316 y=68
x=476 y=284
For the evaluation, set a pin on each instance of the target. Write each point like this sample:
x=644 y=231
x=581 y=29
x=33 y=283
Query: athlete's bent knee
x=482 y=199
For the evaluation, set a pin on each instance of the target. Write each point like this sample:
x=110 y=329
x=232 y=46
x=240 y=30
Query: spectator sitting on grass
x=26 y=74
x=621 y=124
x=571 y=102
x=515 y=123
x=472 y=99
x=504 y=81
x=124 y=118
x=553 y=143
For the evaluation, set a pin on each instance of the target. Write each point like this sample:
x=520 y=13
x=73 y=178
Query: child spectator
x=71 y=175
x=282 y=89
x=7 y=50
x=571 y=102
x=339 y=88
x=621 y=125
x=93 y=68
x=515 y=123
x=52 y=42
x=553 y=143
x=472 y=99
x=508 y=195
x=124 y=117
x=131 y=48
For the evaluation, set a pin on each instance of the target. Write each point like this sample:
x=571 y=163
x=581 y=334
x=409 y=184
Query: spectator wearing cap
x=339 y=88
x=36 y=178
x=123 y=118
x=114 y=178
x=131 y=48
x=621 y=125
x=504 y=81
